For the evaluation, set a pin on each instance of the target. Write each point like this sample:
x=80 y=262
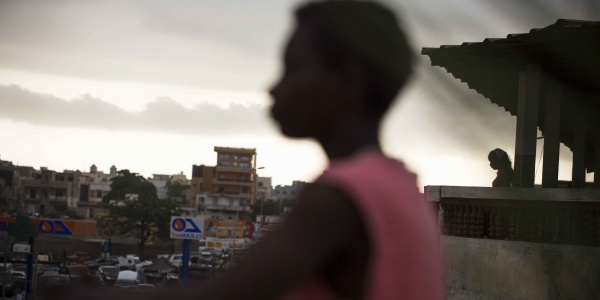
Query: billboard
x=225 y=243
x=56 y=226
x=187 y=228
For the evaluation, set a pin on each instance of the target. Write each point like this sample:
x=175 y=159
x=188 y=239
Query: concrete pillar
x=579 y=129
x=597 y=160
x=551 y=136
x=527 y=117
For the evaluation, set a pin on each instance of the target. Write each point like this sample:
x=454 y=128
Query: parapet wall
x=499 y=269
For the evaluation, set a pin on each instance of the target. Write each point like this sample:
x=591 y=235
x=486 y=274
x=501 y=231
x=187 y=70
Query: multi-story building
x=93 y=186
x=264 y=188
x=160 y=182
x=229 y=188
x=49 y=192
x=288 y=192
x=10 y=188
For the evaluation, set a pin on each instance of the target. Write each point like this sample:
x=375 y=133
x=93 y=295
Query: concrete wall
x=492 y=269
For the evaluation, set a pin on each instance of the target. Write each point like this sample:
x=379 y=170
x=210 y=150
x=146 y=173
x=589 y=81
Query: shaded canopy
x=161 y=265
x=568 y=52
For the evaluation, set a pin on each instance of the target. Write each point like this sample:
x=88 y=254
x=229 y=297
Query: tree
x=143 y=215
x=176 y=190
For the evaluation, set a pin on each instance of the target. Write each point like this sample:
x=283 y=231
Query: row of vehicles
x=120 y=272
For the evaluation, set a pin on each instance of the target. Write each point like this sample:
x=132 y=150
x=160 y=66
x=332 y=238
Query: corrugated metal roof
x=569 y=53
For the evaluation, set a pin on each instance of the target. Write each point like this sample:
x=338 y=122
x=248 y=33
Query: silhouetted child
x=500 y=161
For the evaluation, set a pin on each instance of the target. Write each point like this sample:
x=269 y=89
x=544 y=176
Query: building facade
x=264 y=188
x=288 y=192
x=228 y=189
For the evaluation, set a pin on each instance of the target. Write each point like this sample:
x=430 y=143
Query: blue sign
x=187 y=228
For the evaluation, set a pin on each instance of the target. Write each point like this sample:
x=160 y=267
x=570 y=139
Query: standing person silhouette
x=362 y=230
x=500 y=161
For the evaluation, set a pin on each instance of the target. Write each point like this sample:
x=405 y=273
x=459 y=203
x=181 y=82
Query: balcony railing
x=237 y=182
x=58 y=198
x=558 y=216
x=235 y=169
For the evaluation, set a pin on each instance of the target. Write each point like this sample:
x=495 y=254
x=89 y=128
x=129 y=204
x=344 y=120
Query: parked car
x=19 y=279
x=200 y=274
x=50 y=270
x=109 y=274
x=78 y=257
x=176 y=259
x=94 y=264
x=127 y=280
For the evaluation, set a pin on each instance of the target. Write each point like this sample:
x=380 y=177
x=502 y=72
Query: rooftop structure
x=550 y=79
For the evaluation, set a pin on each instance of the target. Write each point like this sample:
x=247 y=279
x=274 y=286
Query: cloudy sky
x=153 y=85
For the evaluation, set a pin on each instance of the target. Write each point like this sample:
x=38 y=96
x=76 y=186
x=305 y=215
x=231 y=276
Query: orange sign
x=60 y=226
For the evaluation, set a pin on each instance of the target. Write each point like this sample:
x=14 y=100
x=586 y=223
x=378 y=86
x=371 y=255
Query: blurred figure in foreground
x=362 y=230
x=500 y=161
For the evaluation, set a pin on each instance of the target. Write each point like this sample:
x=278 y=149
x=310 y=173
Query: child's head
x=345 y=58
x=499 y=159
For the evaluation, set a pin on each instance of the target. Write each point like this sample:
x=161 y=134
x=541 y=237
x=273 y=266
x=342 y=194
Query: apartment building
x=264 y=188
x=288 y=192
x=49 y=192
x=93 y=186
x=228 y=189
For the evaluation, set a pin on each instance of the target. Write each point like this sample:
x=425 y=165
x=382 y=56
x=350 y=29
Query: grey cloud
x=162 y=115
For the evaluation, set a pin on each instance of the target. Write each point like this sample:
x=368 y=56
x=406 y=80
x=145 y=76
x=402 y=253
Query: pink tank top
x=405 y=260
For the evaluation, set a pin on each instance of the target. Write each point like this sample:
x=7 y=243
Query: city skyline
x=153 y=86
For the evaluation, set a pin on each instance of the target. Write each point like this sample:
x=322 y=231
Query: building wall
x=236 y=172
x=496 y=269
x=264 y=188
x=201 y=182
x=288 y=192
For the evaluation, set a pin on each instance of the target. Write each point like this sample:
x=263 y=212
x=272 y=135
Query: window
x=244 y=165
x=98 y=194
x=71 y=178
x=244 y=157
x=235 y=163
x=224 y=163
x=223 y=156
x=235 y=157
x=260 y=184
x=32 y=193
x=58 y=194
x=222 y=176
